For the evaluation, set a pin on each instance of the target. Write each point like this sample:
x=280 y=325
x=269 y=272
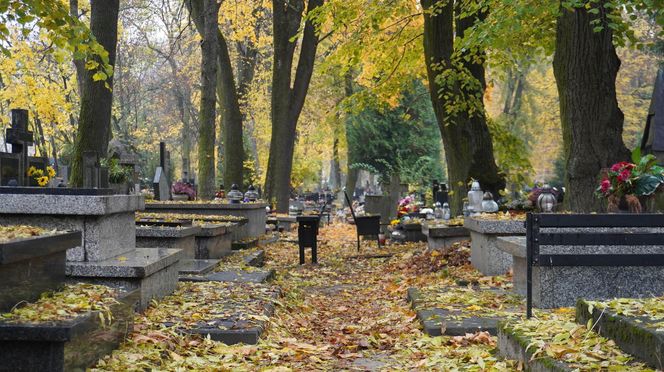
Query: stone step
x=451 y=320
x=640 y=336
x=152 y=270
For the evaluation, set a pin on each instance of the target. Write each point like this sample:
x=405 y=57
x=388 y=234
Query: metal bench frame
x=364 y=225
x=535 y=238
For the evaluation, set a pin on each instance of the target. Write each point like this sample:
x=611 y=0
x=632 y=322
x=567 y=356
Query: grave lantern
x=546 y=201
x=251 y=194
x=235 y=195
x=488 y=204
x=475 y=197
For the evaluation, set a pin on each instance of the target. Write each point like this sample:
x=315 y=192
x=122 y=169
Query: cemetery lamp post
x=235 y=195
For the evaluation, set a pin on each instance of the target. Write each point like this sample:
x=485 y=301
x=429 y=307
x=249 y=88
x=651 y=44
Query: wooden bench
x=365 y=225
x=593 y=256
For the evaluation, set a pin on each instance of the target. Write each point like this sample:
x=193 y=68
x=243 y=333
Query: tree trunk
x=231 y=116
x=466 y=138
x=585 y=66
x=206 y=132
x=94 y=123
x=335 y=169
x=352 y=173
x=287 y=101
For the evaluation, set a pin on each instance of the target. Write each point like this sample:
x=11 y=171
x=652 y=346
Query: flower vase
x=628 y=204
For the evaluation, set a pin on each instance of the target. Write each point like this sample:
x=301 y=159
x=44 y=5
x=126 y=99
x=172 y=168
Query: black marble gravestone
x=162 y=180
x=653 y=135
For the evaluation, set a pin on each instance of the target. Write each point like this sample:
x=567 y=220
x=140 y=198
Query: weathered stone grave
x=440 y=236
x=34 y=265
x=107 y=253
x=253 y=212
x=485 y=255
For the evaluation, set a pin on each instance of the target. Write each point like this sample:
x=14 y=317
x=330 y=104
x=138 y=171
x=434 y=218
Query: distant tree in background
x=402 y=143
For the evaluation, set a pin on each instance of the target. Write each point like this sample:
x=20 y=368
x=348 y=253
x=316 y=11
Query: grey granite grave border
x=166 y=231
x=495 y=227
x=513 y=346
x=634 y=335
x=78 y=205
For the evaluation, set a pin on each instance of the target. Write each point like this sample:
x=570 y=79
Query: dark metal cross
x=20 y=138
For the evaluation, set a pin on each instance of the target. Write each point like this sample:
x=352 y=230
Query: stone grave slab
x=413 y=232
x=192 y=266
x=229 y=312
x=452 y=321
x=152 y=270
x=234 y=275
x=213 y=241
x=640 y=336
x=442 y=236
x=168 y=237
x=485 y=255
x=286 y=223
x=244 y=244
x=516 y=246
x=29 y=267
x=66 y=345
x=253 y=212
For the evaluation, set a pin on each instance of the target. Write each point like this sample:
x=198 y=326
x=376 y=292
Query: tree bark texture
x=94 y=123
x=352 y=173
x=206 y=133
x=466 y=138
x=229 y=104
x=585 y=66
x=287 y=101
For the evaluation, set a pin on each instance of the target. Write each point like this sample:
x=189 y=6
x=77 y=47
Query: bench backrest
x=535 y=238
x=350 y=205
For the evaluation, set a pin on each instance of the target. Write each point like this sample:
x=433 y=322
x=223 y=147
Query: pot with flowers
x=41 y=178
x=627 y=186
x=183 y=191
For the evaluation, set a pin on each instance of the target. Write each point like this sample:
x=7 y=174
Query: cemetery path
x=346 y=313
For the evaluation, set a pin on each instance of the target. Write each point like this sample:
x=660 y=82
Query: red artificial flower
x=605 y=186
x=617 y=167
x=624 y=175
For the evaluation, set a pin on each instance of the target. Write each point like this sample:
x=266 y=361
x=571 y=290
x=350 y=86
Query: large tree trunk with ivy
x=287 y=99
x=206 y=131
x=466 y=137
x=94 y=123
x=231 y=146
x=585 y=66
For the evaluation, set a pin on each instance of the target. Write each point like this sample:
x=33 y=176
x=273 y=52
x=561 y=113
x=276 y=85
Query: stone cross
x=20 y=138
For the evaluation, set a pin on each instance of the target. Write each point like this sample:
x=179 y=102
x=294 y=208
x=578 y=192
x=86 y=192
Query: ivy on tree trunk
x=466 y=138
x=94 y=123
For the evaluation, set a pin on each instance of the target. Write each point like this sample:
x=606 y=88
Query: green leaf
x=647 y=184
x=99 y=75
x=636 y=155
